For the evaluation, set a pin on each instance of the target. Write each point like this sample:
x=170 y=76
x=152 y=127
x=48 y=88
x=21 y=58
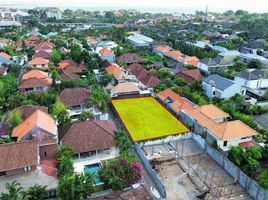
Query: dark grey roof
x=253 y=75
x=219 y=81
x=208 y=61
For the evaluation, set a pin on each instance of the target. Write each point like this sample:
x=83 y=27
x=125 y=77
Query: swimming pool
x=93 y=169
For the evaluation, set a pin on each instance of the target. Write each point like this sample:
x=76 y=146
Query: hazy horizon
x=168 y=6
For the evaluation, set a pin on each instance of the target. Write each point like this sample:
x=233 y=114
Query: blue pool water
x=93 y=169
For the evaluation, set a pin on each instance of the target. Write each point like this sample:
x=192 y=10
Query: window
x=45 y=154
x=243 y=138
x=39 y=88
x=2 y=173
x=225 y=143
x=26 y=169
x=213 y=93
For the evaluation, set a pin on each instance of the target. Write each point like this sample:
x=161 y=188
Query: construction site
x=187 y=172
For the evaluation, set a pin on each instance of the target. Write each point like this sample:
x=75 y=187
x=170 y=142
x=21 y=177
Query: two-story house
x=217 y=129
x=252 y=78
x=220 y=87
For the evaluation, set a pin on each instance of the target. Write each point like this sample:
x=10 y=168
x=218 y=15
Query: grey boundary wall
x=161 y=188
x=252 y=188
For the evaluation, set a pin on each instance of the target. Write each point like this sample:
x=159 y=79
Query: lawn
x=145 y=118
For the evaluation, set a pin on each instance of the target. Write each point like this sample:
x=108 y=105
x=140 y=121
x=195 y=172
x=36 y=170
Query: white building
x=252 y=79
x=220 y=87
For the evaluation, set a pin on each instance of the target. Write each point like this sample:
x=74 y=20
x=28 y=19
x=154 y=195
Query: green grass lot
x=147 y=119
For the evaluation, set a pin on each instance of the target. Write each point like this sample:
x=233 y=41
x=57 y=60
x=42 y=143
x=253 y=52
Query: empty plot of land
x=145 y=118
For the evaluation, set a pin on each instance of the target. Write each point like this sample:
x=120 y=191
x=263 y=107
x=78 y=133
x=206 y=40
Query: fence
x=253 y=189
x=150 y=171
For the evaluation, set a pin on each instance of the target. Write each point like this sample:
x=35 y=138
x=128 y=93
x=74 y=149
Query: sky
x=213 y=5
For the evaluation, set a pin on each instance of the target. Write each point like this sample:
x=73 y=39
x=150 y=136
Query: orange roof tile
x=5 y=55
x=163 y=49
x=178 y=103
x=174 y=54
x=35 y=74
x=206 y=116
x=37 y=119
x=113 y=69
x=106 y=51
x=38 y=61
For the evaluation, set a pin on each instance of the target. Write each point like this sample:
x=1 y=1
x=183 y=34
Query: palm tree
x=36 y=192
x=14 y=192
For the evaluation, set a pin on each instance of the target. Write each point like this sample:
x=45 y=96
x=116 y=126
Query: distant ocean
x=141 y=9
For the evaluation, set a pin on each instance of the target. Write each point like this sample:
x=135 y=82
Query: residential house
x=39 y=63
x=229 y=55
x=147 y=79
x=190 y=75
x=9 y=24
x=38 y=126
x=162 y=50
x=44 y=46
x=212 y=65
x=92 y=142
x=252 y=78
x=184 y=59
x=248 y=57
x=173 y=101
x=130 y=58
x=71 y=66
x=5 y=59
x=35 y=81
x=123 y=89
x=18 y=158
x=77 y=100
x=31 y=41
x=220 y=87
x=107 y=54
x=43 y=54
x=139 y=40
x=118 y=73
x=216 y=129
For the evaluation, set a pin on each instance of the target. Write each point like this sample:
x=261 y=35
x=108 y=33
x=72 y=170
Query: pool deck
x=80 y=163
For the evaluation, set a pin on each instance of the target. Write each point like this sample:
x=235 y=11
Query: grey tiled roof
x=253 y=75
x=219 y=81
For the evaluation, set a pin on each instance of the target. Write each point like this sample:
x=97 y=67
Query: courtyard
x=145 y=118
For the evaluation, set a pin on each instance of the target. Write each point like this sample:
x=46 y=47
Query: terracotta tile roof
x=66 y=75
x=75 y=96
x=143 y=76
x=122 y=76
x=163 y=49
x=35 y=74
x=3 y=70
x=38 y=119
x=178 y=103
x=88 y=135
x=207 y=116
x=42 y=54
x=5 y=55
x=71 y=66
x=35 y=82
x=18 y=155
x=124 y=88
x=106 y=52
x=38 y=61
x=190 y=75
x=91 y=40
x=191 y=60
x=247 y=144
x=174 y=54
x=28 y=110
x=33 y=38
x=46 y=45
x=130 y=58
x=113 y=69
